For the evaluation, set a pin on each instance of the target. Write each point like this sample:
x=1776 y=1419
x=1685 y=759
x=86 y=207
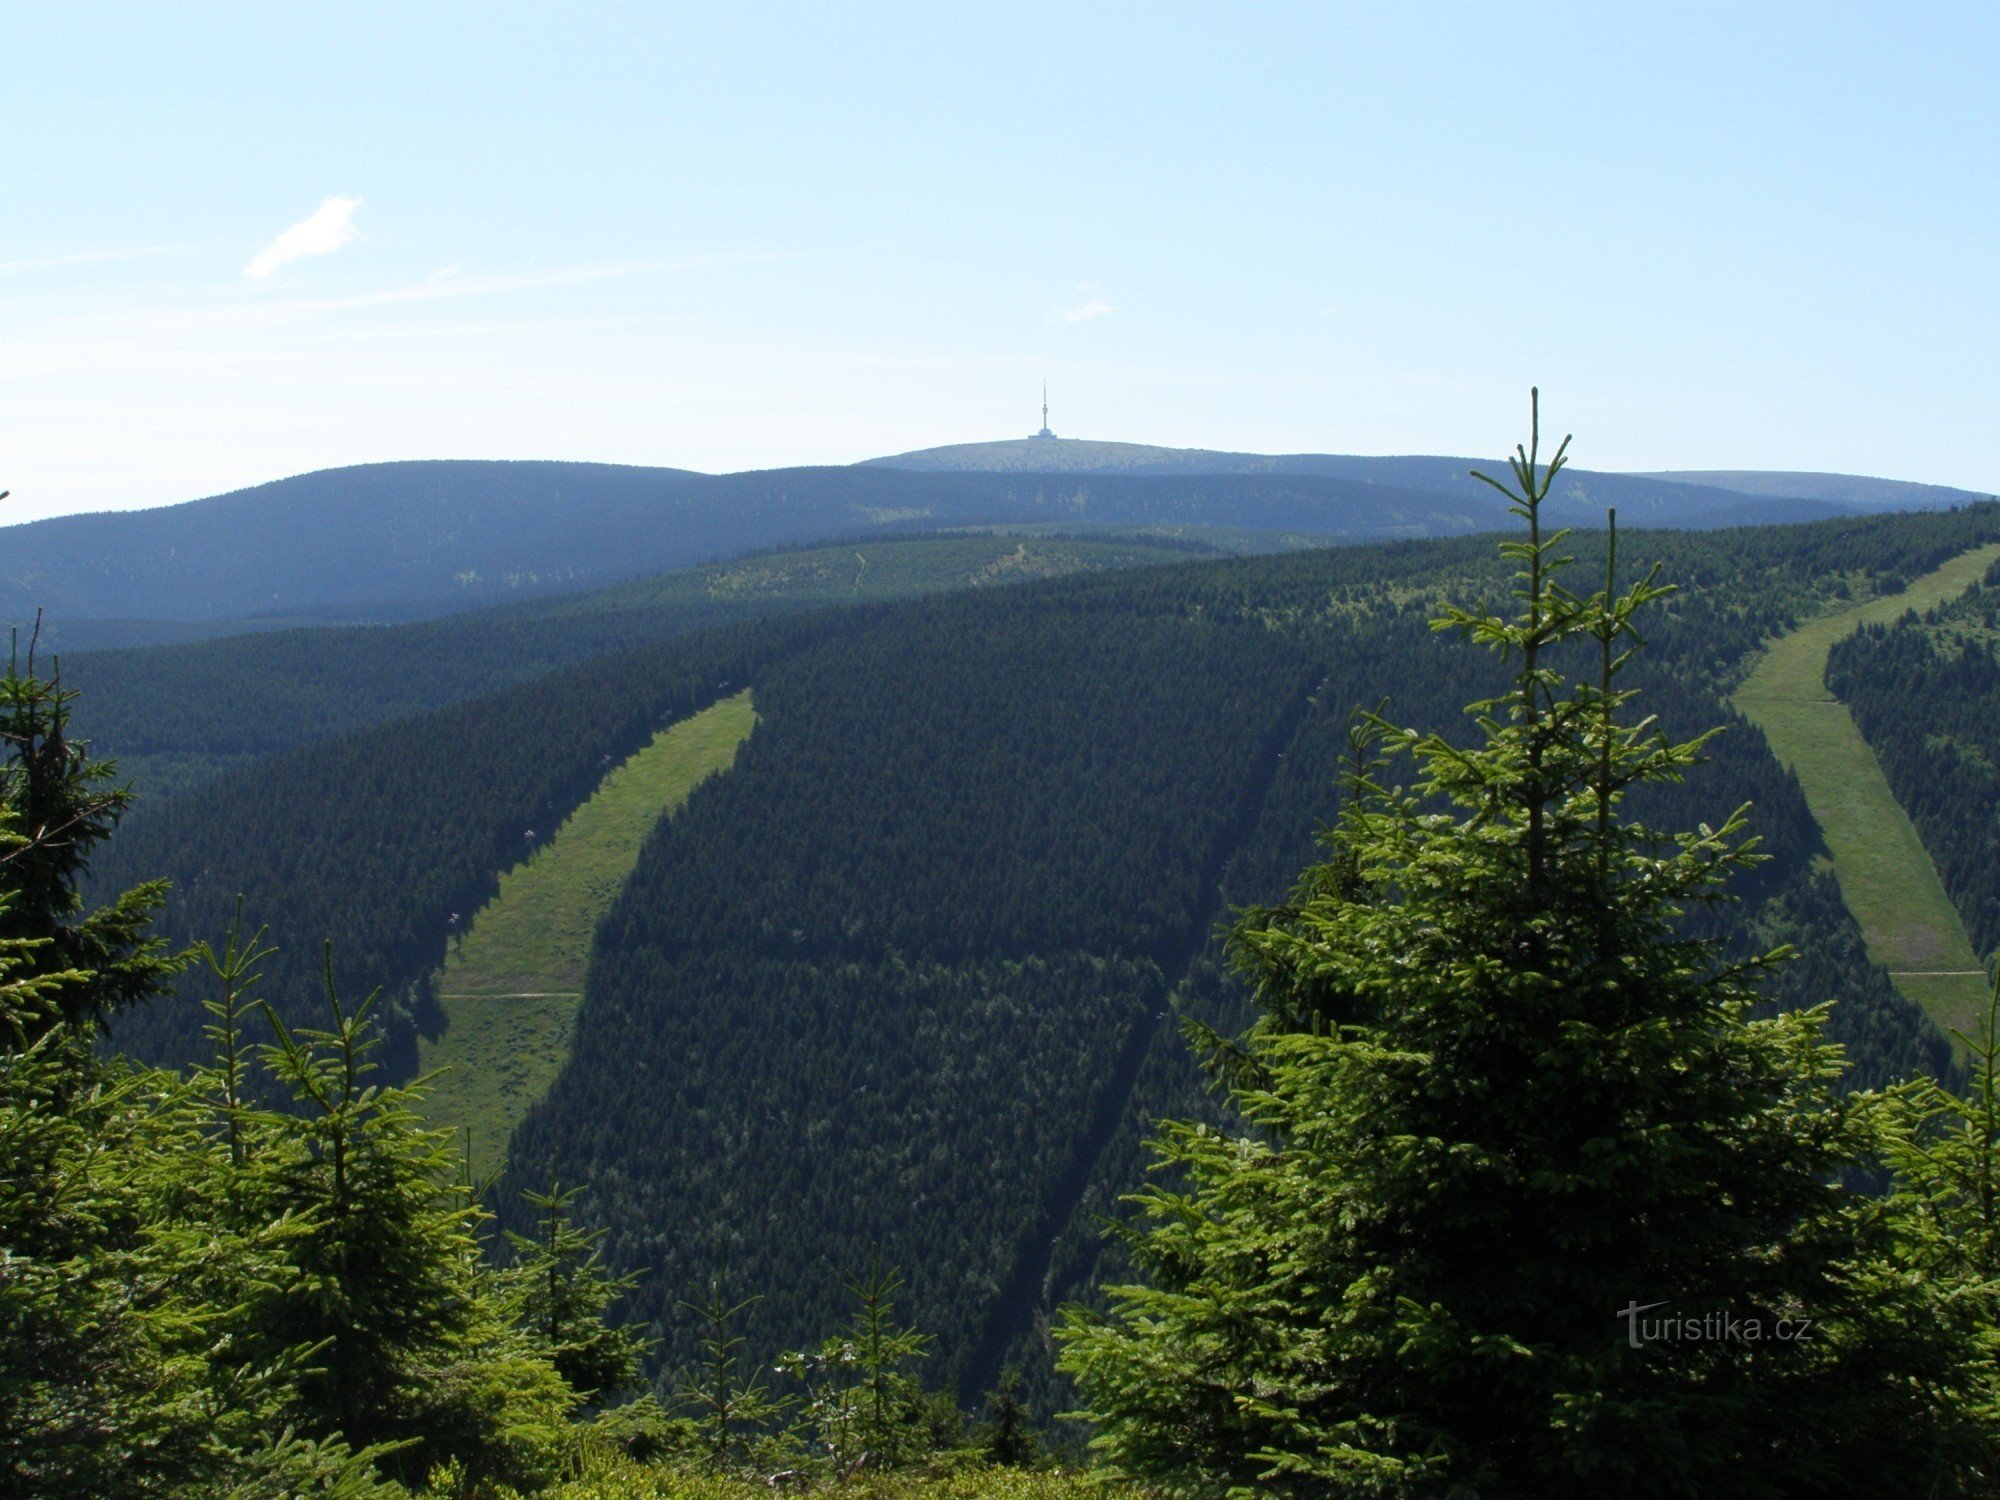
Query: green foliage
x=562 y=1295
x=1373 y=625
x=1007 y=1437
x=900 y=978
x=1947 y=1162
x=974 y=855
x=957 y=853
x=103 y=1383
x=180 y=716
x=732 y=1407
x=863 y=1404
x=202 y=1296
x=97 y=1395
x=644 y=1431
x=618 y=1479
x=1925 y=691
x=375 y=842
x=1497 y=1093
x=409 y=1338
x=1887 y=875
x=63 y=807
x=1944 y=1208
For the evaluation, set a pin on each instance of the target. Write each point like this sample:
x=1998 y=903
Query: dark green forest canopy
x=897 y=979
x=177 y=715
x=1926 y=696
x=373 y=840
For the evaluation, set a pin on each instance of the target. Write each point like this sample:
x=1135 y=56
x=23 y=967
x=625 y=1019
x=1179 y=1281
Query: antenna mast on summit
x=1045 y=433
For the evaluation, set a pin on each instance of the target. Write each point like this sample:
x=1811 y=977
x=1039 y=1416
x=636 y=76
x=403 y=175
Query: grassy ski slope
x=1886 y=877
x=512 y=983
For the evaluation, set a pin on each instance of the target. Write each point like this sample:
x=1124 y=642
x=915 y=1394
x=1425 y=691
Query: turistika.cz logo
x=1720 y=1326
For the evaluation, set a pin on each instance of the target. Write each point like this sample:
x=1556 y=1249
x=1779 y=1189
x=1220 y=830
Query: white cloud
x=330 y=226
x=87 y=257
x=255 y=327
x=1096 y=307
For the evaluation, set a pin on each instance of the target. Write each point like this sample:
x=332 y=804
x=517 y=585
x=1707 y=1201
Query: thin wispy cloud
x=150 y=337
x=1096 y=307
x=449 y=283
x=82 y=258
x=325 y=230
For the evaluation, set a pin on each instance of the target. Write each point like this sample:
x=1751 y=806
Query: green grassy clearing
x=1885 y=875
x=512 y=984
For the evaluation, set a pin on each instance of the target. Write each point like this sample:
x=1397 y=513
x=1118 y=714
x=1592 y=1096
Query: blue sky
x=735 y=236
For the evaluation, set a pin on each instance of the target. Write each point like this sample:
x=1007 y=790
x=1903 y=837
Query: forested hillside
x=372 y=842
x=406 y=537
x=1690 y=498
x=1855 y=490
x=1926 y=694
x=869 y=989
x=384 y=533
x=898 y=979
x=175 y=716
x=398 y=541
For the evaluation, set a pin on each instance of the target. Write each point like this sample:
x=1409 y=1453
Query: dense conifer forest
x=175 y=716
x=609 y=892
x=1496 y=1083
x=906 y=977
x=1926 y=694
x=895 y=1003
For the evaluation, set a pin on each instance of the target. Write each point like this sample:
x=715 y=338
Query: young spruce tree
x=1529 y=1201
x=414 y=1346
x=561 y=1294
x=64 y=804
x=123 y=1293
x=102 y=1386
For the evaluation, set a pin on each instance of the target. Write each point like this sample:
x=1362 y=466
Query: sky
x=241 y=242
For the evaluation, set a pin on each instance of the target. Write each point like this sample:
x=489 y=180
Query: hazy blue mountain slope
x=72 y=634
x=399 y=540
x=1331 y=507
x=1854 y=491
x=395 y=538
x=1697 y=499
x=378 y=532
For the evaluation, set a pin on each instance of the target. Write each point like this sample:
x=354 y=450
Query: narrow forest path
x=511 y=985
x=1886 y=875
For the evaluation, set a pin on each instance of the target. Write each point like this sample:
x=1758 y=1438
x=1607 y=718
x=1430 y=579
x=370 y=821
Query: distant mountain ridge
x=400 y=540
x=1859 y=491
x=1698 y=498
x=403 y=540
